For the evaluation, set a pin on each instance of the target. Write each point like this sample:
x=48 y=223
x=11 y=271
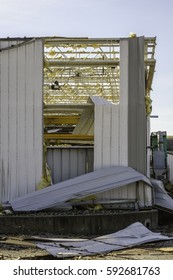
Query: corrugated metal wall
x=69 y=162
x=21 y=81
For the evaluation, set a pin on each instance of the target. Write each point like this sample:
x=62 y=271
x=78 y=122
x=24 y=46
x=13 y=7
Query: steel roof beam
x=81 y=63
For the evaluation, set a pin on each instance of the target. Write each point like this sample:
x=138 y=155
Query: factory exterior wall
x=21 y=80
x=119 y=130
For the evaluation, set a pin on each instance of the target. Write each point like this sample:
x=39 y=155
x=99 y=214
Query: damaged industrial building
x=75 y=129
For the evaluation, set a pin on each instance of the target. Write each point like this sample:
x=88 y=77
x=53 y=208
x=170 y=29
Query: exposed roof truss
x=76 y=68
x=82 y=68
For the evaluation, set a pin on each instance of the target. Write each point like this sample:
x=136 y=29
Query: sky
x=103 y=19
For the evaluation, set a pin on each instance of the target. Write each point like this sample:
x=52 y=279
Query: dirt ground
x=20 y=248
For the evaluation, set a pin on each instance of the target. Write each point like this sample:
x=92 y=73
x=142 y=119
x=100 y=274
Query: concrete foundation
x=91 y=224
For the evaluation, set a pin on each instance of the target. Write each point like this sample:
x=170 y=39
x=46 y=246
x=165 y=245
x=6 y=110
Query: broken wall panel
x=21 y=83
x=86 y=123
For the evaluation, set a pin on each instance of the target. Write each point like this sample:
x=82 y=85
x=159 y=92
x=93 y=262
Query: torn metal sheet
x=161 y=198
x=131 y=236
x=85 y=185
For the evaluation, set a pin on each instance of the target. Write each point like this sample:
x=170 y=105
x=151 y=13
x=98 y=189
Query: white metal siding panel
x=21 y=81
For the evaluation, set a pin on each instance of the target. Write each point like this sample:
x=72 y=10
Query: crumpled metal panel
x=161 y=198
x=85 y=185
x=131 y=236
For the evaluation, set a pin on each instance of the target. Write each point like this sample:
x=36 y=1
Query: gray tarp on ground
x=161 y=198
x=131 y=236
x=88 y=184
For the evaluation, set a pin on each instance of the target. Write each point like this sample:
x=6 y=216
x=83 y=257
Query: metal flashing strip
x=85 y=185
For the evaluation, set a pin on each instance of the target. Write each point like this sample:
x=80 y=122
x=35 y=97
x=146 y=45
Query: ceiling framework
x=82 y=67
x=77 y=68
